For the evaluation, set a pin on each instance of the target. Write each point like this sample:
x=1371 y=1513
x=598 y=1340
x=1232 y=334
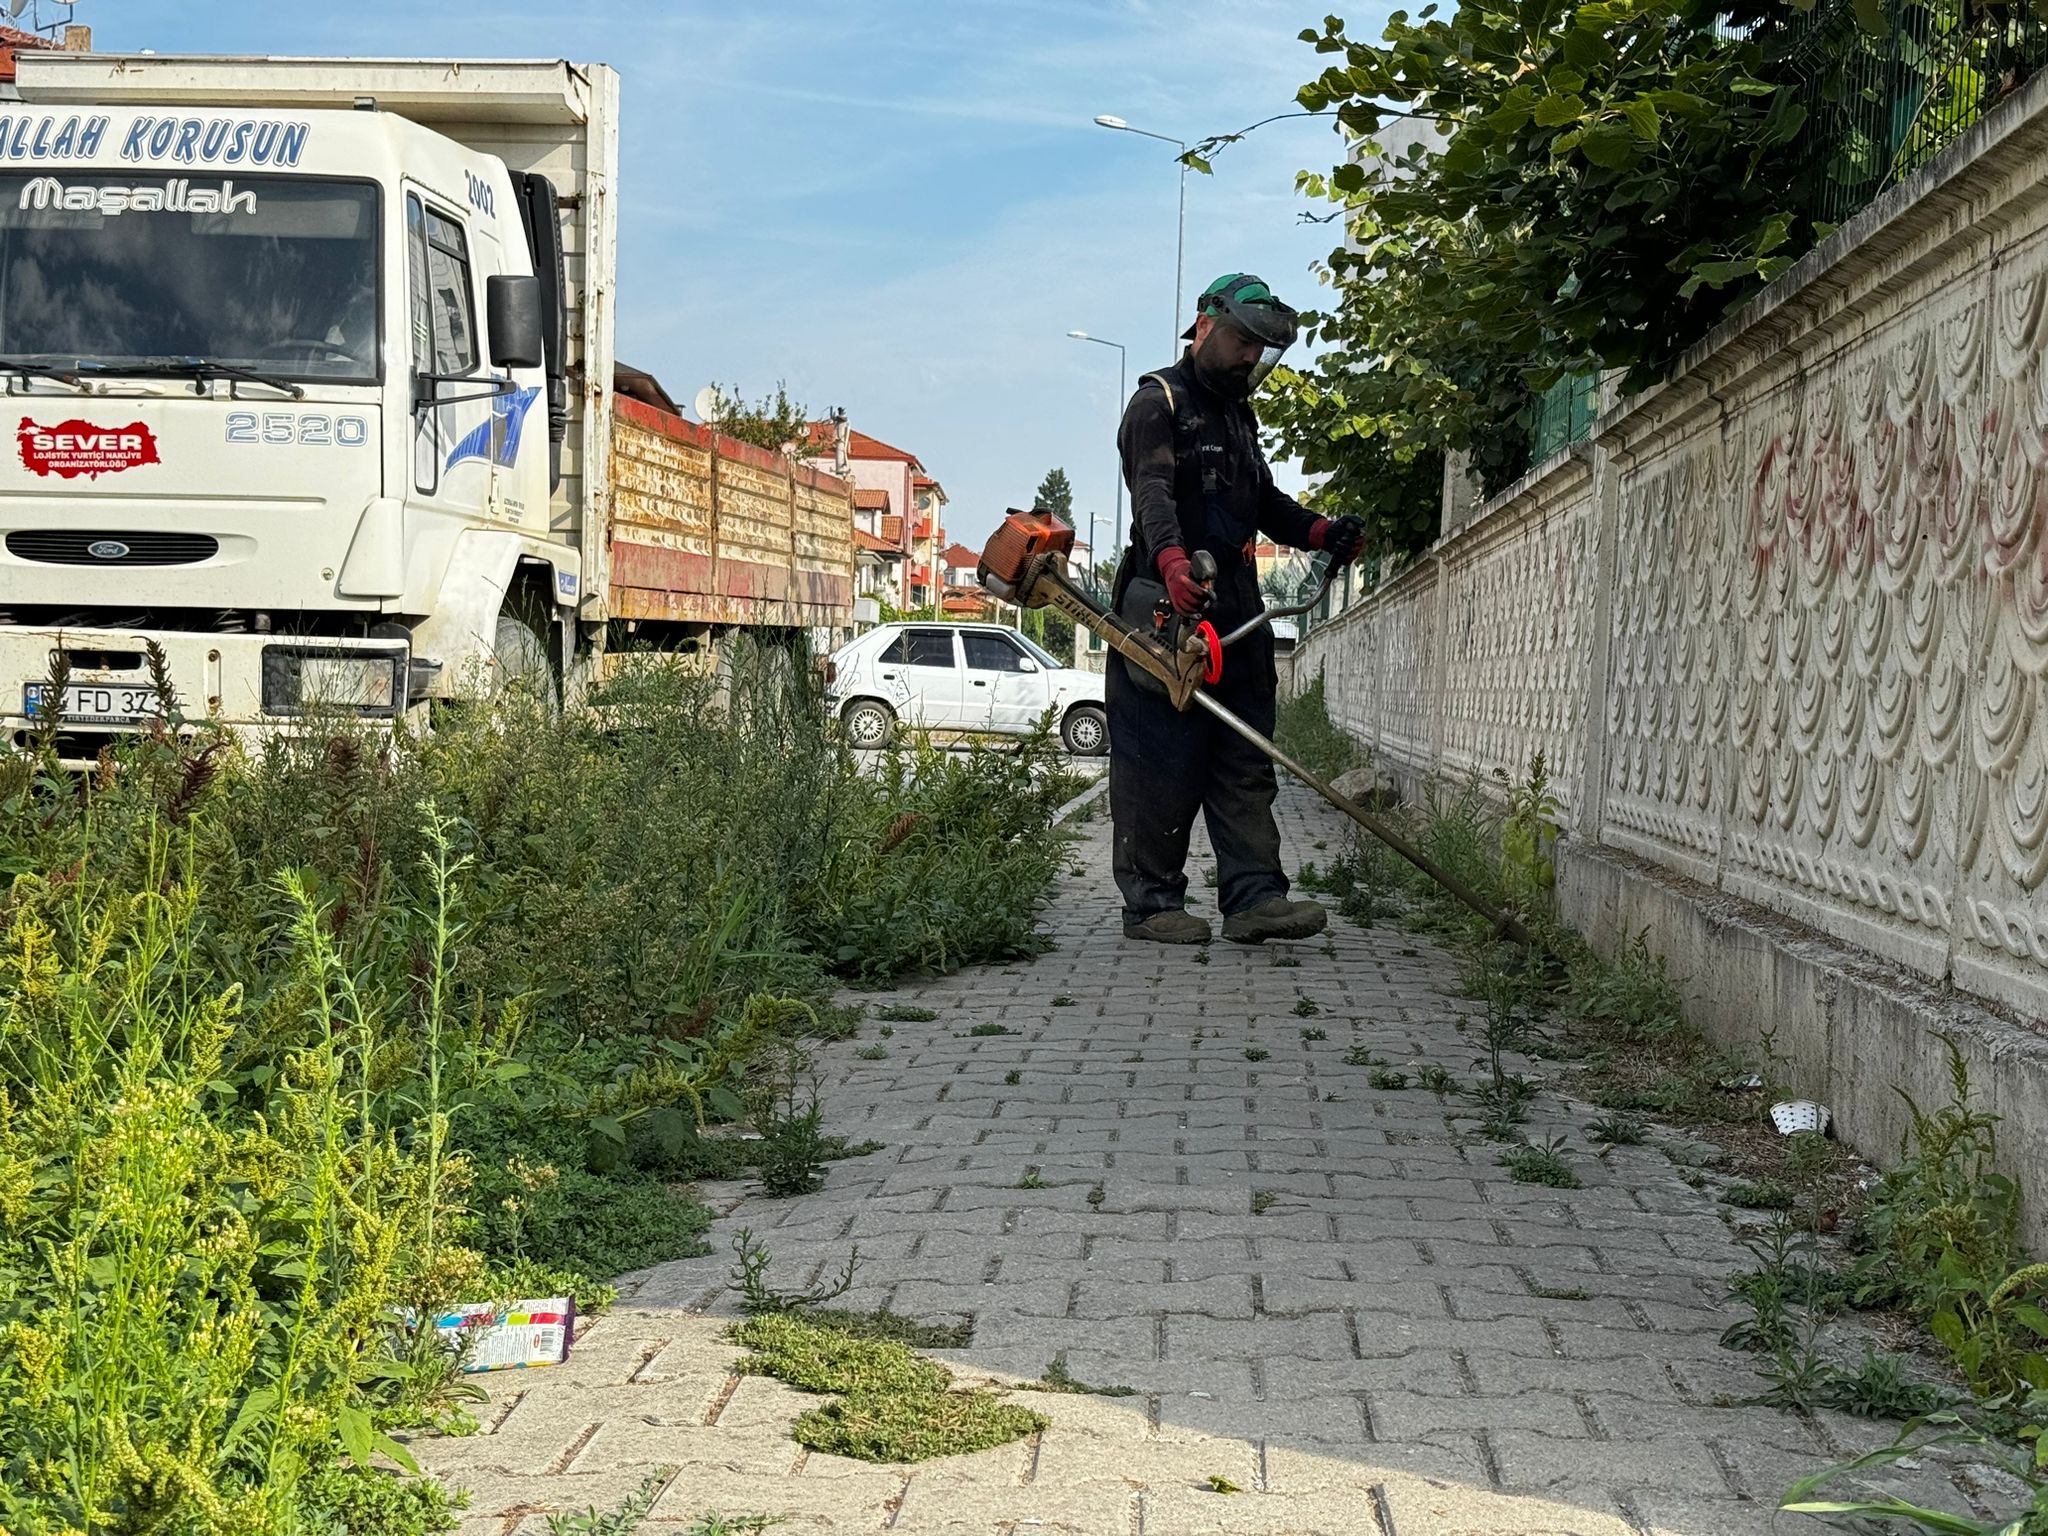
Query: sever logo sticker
x=498 y=438
x=73 y=448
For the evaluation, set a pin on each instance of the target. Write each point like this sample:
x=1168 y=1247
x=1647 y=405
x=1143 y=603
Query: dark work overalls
x=1198 y=480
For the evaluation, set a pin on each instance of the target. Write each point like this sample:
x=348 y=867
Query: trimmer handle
x=1201 y=566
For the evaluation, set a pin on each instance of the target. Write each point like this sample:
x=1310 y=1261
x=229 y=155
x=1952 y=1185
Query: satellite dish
x=707 y=403
x=17 y=7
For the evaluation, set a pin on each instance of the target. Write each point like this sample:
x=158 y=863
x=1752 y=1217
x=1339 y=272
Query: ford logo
x=107 y=549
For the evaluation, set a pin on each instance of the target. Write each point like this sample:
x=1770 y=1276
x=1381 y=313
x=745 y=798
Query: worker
x=1198 y=481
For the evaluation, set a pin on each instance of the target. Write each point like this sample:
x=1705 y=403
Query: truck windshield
x=274 y=274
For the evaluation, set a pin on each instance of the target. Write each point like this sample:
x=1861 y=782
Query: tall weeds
x=298 y=1046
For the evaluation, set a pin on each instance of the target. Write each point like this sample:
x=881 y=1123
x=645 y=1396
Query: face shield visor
x=1266 y=323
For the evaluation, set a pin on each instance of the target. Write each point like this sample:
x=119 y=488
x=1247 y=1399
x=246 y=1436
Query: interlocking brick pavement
x=1329 y=1294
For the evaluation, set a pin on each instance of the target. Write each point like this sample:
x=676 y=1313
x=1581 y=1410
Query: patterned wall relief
x=1857 y=609
x=1826 y=651
x=1517 y=636
x=2002 y=897
x=1379 y=659
x=1672 y=656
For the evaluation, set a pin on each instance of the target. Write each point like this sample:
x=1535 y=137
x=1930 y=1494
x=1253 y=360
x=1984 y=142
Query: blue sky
x=898 y=206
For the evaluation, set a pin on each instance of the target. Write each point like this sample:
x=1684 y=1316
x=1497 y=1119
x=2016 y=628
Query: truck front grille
x=72 y=546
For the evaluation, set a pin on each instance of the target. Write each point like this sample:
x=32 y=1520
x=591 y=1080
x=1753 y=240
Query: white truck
x=312 y=370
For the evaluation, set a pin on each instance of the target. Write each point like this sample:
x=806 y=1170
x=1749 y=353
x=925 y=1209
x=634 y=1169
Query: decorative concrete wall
x=1781 y=628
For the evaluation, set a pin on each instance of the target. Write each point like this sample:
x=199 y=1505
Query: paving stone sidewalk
x=1321 y=1291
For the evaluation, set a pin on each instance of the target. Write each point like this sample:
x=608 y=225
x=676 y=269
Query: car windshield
x=1045 y=657
x=275 y=274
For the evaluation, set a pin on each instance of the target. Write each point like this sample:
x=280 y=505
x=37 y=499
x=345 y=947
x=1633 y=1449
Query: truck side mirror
x=512 y=310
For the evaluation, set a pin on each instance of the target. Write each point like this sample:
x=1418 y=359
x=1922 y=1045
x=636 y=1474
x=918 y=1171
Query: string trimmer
x=1025 y=562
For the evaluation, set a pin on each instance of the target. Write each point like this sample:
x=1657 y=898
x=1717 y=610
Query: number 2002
x=284 y=428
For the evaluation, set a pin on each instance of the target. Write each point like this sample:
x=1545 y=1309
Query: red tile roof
x=892 y=530
x=867 y=499
x=961 y=557
x=859 y=445
x=868 y=541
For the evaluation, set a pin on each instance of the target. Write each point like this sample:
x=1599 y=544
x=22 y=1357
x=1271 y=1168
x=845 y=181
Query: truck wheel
x=1085 y=730
x=521 y=659
x=869 y=723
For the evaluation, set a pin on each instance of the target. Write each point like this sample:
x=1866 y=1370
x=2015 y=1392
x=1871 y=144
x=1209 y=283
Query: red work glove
x=1341 y=538
x=1185 y=593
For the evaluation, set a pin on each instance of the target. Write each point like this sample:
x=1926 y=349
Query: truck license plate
x=93 y=703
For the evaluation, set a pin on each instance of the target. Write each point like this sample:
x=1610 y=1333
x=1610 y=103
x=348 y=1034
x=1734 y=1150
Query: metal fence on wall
x=1882 y=103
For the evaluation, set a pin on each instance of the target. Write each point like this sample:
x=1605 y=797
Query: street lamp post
x=1180 y=240
x=1116 y=530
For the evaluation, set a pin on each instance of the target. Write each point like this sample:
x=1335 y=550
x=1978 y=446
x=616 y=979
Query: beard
x=1233 y=381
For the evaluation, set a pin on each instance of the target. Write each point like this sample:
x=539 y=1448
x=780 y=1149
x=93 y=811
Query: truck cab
x=289 y=387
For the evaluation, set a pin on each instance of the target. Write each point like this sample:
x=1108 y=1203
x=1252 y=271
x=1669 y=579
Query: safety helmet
x=1246 y=299
x=1246 y=302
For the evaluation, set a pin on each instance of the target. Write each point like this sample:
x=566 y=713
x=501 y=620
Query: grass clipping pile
x=891 y=1405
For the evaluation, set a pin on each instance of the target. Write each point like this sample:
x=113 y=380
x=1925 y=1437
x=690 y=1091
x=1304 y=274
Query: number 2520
x=283 y=428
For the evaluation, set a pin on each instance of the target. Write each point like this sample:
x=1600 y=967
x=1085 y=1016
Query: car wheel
x=1086 y=731
x=869 y=723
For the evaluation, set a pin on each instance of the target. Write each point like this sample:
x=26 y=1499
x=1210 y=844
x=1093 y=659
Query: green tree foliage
x=1055 y=494
x=1601 y=180
x=772 y=422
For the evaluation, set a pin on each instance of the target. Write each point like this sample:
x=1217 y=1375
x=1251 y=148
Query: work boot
x=1169 y=928
x=1275 y=918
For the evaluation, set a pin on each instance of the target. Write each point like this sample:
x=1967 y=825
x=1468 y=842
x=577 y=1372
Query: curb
x=1067 y=812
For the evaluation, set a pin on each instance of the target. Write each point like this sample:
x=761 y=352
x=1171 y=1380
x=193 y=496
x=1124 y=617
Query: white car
x=962 y=677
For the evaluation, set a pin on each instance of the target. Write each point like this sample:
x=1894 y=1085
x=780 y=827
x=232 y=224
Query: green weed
x=622 y=1519
x=1262 y=1201
x=873 y=1053
x=715 y=1524
x=1255 y=1053
x=1303 y=728
x=1635 y=993
x=892 y=1406
x=893 y=1327
x=1058 y=1379
x=1941 y=1235
x=1218 y=1483
x=983 y=1030
x=1761 y=1195
x=1617 y=1131
x=1031 y=1180
x=750 y=1278
x=1315 y=1034
x=1385 y=1077
x=1306 y=1008
x=905 y=1013
x=1013 y=1077
x=1436 y=1079
x=1543 y=1164
x=1359 y=1056
x=1063 y=1001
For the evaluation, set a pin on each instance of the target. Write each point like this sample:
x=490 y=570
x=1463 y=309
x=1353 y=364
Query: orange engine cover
x=1022 y=536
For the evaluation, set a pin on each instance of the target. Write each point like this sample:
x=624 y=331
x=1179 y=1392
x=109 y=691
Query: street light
x=1180 y=241
x=1116 y=531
